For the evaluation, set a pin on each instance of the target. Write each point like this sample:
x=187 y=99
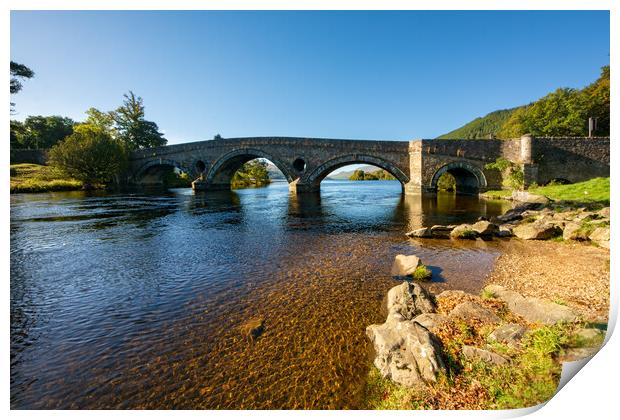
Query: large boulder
x=420 y=233
x=405 y=265
x=485 y=228
x=441 y=231
x=534 y=310
x=408 y=300
x=515 y=213
x=536 y=231
x=473 y=353
x=430 y=321
x=405 y=352
x=470 y=310
x=463 y=231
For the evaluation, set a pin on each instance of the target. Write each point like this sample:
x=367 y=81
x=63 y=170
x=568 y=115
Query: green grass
x=497 y=193
x=422 y=273
x=593 y=190
x=29 y=177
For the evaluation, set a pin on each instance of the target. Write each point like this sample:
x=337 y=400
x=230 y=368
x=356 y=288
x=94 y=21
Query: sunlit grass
x=29 y=177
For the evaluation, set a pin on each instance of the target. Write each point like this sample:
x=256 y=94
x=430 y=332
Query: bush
x=89 y=155
x=512 y=173
x=422 y=273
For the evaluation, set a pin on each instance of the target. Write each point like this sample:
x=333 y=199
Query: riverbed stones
x=533 y=310
x=424 y=232
x=441 y=231
x=510 y=334
x=464 y=231
x=471 y=352
x=408 y=300
x=572 y=231
x=470 y=310
x=430 y=321
x=537 y=230
x=253 y=328
x=485 y=228
x=405 y=265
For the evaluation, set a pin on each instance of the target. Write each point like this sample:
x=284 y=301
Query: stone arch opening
x=223 y=170
x=163 y=172
x=468 y=178
x=318 y=174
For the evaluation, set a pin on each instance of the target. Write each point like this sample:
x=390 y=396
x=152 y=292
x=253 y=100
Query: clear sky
x=363 y=75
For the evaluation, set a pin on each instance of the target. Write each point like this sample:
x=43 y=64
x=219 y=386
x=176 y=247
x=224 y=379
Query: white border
x=592 y=394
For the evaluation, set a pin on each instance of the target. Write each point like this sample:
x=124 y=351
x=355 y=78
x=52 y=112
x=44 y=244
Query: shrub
x=89 y=155
x=422 y=273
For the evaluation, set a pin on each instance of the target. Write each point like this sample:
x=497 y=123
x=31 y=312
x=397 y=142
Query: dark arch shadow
x=469 y=178
x=318 y=174
x=224 y=168
x=152 y=172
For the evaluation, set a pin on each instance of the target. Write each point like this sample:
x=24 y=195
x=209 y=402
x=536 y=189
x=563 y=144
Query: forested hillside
x=564 y=112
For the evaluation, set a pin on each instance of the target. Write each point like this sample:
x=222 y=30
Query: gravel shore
x=569 y=273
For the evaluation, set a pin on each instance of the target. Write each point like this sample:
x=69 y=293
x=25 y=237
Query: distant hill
x=274 y=172
x=345 y=175
x=482 y=127
x=564 y=112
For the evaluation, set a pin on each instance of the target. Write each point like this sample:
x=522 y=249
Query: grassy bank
x=592 y=191
x=29 y=177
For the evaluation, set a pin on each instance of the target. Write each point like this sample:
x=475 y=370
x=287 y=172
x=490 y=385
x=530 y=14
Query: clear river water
x=137 y=300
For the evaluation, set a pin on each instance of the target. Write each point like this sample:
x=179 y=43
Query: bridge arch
x=222 y=171
x=315 y=177
x=469 y=178
x=151 y=172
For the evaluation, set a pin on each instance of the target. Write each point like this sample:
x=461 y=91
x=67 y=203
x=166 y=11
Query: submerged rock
x=470 y=310
x=405 y=265
x=408 y=300
x=405 y=352
x=441 y=231
x=471 y=352
x=253 y=328
x=532 y=309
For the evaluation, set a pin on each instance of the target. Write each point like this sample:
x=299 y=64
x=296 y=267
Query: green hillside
x=564 y=112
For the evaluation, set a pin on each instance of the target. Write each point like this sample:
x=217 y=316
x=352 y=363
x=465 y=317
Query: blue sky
x=364 y=75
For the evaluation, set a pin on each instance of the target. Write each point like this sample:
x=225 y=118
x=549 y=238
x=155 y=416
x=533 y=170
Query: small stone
x=471 y=352
x=508 y=333
x=420 y=233
x=405 y=265
x=470 y=310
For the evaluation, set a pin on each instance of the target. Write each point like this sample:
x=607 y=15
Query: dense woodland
x=564 y=112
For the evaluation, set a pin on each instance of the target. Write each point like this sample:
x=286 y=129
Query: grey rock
x=515 y=213
x=470 y=310
x=471 y=353
x=573 y=231
x=405 y=265
x=536 y=231
x=574 y=354
x=464 y=231
x=504 y=231
x=485 y=228
x=508 y=333
x=601 y=236
x=430 y=321
x=604 y=212
x=407 y=300
x=441 y=231
x=405 y=352
x=532 y=309
x=420 y=233
x=590 y=334
x=526 y=197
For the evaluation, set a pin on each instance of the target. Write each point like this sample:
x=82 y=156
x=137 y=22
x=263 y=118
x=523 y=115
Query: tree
x=39 y=132
x=18 y=71
x=252 y=173
x=133 y=130
x=103 y=120
x=358 y=175
x=512 y=173
x=89 y=155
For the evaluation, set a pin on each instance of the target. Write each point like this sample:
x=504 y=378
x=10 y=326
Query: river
x=138 y=300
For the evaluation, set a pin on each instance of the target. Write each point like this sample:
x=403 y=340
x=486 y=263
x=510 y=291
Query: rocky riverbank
x=456 y=350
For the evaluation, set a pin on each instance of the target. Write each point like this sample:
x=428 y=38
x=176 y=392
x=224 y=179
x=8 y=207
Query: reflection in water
x=137 y=300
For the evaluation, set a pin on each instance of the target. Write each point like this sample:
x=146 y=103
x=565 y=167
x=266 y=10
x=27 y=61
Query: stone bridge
x=416 y=164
